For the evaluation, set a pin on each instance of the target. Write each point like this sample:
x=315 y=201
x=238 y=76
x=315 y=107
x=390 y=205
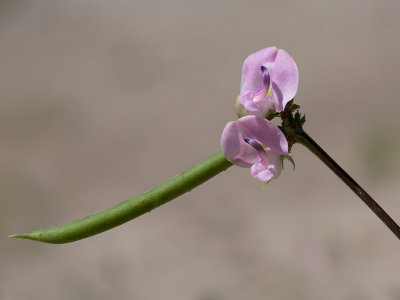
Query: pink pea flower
x=255 y=142
x=269 y=81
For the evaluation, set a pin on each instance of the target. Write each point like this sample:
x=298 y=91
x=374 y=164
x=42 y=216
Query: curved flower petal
x=251 y=75
x=267 y=167
x=259 y=102
x=256 y=105
x=275 y=160
x=263 y=172
x=285 y=79
x=235 y=149
x=265 y=132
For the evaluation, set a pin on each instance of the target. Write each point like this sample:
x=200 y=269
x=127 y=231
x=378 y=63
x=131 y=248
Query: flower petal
x=263 y=174
x=258 y=106
x=267 y=169
x=265 y=132
x=285 y=79
x=275 y=160
x=235 y=149
x=252 y=78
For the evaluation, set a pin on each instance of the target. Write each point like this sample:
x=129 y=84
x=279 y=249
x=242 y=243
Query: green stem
x=132 y=208
x=303 y=138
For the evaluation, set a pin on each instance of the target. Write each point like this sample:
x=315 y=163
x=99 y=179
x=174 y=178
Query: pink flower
x=255 y=142
x=269 y=81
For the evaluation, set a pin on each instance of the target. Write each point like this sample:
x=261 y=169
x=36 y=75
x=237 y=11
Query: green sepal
x=265 y=184
x=289 y=158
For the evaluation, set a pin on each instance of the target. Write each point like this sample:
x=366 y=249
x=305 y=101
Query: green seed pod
x=132 y=208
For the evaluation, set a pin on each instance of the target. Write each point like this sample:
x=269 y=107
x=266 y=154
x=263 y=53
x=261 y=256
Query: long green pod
x=132 y=208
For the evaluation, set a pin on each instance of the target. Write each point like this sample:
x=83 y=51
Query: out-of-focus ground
x=102 y=100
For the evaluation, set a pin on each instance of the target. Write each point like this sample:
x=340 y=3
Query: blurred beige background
x=102 y=100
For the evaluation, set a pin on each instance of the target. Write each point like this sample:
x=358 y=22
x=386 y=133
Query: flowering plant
x=269 y=84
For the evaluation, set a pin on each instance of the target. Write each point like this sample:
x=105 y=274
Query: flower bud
x=240 y=110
